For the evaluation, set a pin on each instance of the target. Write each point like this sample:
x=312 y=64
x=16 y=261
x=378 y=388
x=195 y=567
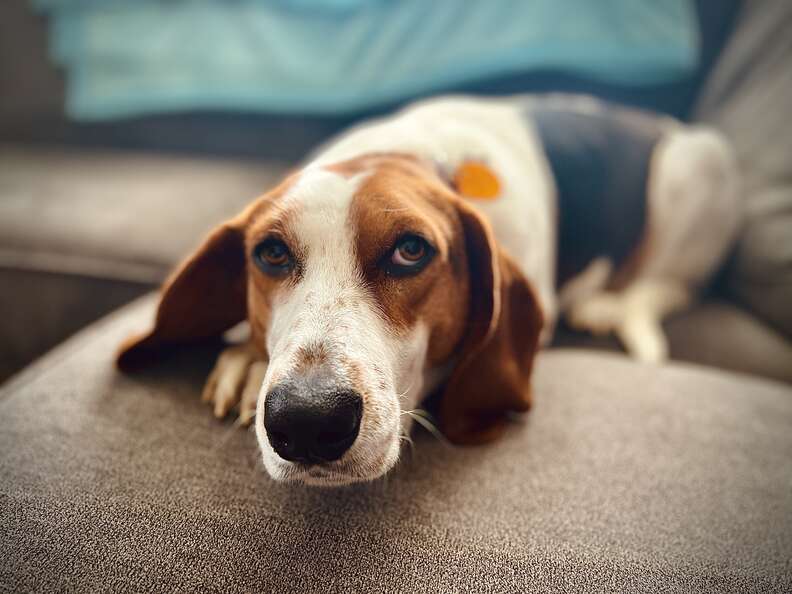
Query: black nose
x=311 y=427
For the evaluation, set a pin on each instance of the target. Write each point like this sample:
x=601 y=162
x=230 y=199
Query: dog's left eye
x=273 y=256
x=410 y=254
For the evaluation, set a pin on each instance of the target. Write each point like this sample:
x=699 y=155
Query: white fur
x=235 y=380
x=330 y=307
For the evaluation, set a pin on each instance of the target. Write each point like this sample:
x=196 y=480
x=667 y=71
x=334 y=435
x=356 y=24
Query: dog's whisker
x=424 y=420
x=400 y=396
x=225 y=437
x=408 y=440
x=405 y=437
x=424 y=413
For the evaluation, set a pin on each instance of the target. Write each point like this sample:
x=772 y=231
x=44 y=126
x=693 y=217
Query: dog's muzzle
x=309 y=425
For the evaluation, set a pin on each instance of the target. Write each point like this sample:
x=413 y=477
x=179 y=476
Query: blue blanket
x=132 y=57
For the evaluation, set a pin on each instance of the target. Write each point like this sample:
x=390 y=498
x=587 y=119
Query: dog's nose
x=311 y=427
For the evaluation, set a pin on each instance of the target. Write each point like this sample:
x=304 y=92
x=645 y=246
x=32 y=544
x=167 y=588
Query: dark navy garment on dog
x=600 y=159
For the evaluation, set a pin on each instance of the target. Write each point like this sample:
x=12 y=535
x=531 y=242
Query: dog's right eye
x=273 y=257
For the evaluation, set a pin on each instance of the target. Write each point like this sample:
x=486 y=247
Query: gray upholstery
x=715 y=333
x=748 y=96
x=116 y=214
x=43 y=308
x=624 y=478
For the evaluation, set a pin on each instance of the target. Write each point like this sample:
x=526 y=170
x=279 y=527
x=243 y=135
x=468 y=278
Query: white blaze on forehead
x=329 y=304
x=322 y=198
x=322 y=226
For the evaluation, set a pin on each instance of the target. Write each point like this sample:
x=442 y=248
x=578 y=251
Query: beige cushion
x=625 y=477
x=118 y=215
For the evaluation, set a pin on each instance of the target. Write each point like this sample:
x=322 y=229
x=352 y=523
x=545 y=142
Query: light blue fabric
x=132 y=57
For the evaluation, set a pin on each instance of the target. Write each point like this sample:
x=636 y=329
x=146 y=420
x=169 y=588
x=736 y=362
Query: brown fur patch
x=268 y=216
x=404 y=195
x=311 y=356
x=475 y=301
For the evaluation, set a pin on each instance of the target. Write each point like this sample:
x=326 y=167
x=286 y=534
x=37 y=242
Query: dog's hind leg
x=634 y=315
x=693 y=218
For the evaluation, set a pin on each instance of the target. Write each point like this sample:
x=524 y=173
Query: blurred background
x=128 y=128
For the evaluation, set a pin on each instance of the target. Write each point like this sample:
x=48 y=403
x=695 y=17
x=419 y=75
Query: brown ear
x=492 y=376
x=205 y=296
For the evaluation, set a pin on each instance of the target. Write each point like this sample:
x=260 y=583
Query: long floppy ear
x=205 y=296
x=492 y=376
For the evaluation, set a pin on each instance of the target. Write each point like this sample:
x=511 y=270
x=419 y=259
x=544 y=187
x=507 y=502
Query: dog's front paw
x=235 y=380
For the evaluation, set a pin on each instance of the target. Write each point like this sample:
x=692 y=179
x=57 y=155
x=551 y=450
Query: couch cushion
x=114 y=214
x=624 y=477
x=748 y=97
x=713 y=332
x=46 y=308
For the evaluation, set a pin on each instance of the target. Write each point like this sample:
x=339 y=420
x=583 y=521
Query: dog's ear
x=492 y=375
x=204 y=296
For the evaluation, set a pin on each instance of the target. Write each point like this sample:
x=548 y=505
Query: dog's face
x=357 y=285
x=361 y=281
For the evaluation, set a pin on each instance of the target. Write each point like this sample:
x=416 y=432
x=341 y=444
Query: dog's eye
x=273 y=256
x=410 y=254
x=409 y=251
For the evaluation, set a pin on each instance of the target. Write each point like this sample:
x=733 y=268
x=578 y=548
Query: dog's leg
x=694 y=207
x=693 y=217
x=235 y=380
x=249 y=399
x=634 y=315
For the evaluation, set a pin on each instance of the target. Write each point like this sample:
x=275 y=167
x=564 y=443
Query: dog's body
x=430 y=249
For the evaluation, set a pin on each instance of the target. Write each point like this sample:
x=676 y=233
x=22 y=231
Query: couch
x=625 y=477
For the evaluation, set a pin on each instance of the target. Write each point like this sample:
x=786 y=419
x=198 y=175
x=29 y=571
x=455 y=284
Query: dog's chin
x=356 y=467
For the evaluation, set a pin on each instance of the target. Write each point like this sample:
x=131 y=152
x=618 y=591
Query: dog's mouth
x=326 y=474
x=363 y=464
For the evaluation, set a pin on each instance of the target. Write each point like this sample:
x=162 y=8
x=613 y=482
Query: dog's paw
x=235 y=381
x=647 y=304
x=600 y=313
x=634 y=315
x=644 y=339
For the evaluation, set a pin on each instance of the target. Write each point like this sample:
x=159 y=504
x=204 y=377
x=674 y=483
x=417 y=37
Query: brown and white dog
x=421 y=254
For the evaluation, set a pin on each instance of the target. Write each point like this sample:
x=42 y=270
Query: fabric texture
x=116 y=214
x=624 y=477
x=748 y=97
x=331 y=57
x=44 y=308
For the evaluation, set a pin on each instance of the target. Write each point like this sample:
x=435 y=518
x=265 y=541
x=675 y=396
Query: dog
x=430 y=253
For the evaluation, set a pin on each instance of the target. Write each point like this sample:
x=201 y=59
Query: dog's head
x=362 y=282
